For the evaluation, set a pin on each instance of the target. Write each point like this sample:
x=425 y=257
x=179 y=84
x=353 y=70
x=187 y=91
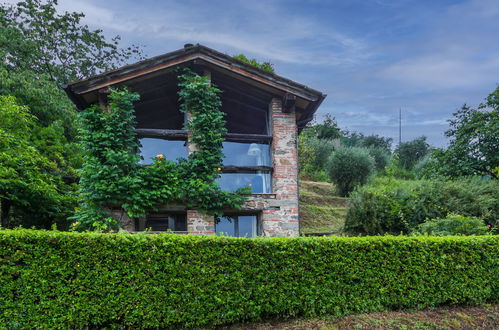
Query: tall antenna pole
x=400 y=126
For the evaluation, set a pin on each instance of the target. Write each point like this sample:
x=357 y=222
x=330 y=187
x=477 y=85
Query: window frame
x=236 y=216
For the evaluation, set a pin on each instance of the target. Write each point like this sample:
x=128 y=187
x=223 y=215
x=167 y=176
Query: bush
x=453 y=224
x=313 y=156
x=393 y=206
x=381 y=157
x=90 y=280
x=349 y=167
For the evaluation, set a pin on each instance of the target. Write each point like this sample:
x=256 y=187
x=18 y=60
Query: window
x=246 y=154
x=258 y=181
x=246 y=164
x=237 y=225
x=163 y=222
x=151 y=147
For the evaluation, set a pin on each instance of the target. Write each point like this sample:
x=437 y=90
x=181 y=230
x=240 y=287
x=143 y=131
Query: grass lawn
x=458 y=317
x=321 y=209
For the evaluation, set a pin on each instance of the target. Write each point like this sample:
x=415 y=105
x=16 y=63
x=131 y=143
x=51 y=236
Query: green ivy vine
x=113 y=177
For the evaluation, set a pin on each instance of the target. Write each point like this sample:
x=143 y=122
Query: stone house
x=264 y=113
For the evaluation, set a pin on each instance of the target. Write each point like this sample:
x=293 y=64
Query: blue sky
x=370 y=57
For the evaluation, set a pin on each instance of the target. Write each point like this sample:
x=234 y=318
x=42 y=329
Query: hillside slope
x=321 y=209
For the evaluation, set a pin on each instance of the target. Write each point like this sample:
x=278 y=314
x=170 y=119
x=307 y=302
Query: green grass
x=321 y=209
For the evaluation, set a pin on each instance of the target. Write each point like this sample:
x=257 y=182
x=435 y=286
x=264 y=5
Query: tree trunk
x=5 y=212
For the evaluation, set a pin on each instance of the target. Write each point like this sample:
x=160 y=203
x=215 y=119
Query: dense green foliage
x=354 y=139
x=28 y=179
x=40 y=47
x=409 y=153
x=40 y=39
x=112 y=176
x=267 y=66
x=453 y=224
x=349 y=167
x=387 y=205
x=474 y=142
x=78 y=280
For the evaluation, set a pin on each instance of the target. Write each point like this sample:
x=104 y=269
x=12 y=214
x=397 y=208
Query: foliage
x=381 y=157
x=453 y=224
x=266 y=66
x=354 y=139
x=40 y=40
x=409 y=153
x=315 y=144
x=387 y=205
x=112 y=177
x=313 y=155
x=28 y=179
x=327 y=130
x=89 y=280
x=349 y=167
x=474 y=142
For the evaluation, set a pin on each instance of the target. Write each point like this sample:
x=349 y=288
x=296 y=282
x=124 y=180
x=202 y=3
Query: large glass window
x=237 y=225
x=246 y=154
x=258 y=181
x=152 y=147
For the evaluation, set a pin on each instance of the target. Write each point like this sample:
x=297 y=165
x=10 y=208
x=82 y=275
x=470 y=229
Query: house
x=264 y=114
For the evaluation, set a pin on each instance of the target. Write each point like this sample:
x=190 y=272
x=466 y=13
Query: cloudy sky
x=371 y=57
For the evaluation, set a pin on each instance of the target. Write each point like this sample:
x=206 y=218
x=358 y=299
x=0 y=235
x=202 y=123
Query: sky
x=371 y=57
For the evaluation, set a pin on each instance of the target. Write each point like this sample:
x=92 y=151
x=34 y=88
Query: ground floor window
x=237 y=225
x=163 y=222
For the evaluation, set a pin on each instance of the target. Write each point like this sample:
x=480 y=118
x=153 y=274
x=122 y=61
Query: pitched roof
x=198 y=54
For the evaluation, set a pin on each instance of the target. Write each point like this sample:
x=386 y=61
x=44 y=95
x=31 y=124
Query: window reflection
x=246 y=154
x=237 y=225
x=259 y=181
x=171 y=150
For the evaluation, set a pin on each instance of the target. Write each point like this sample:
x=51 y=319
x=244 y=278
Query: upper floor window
x=170 y=149
x=246 y=154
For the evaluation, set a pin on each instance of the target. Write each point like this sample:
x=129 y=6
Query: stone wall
x=281 y=217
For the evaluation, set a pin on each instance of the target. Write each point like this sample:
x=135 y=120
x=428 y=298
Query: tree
x=38 y=39
x=350 y=167
x=354 y=139
x=474 y=141
x=26 y=176
x=409 y=153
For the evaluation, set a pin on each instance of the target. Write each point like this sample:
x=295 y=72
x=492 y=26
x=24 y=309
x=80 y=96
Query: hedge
x=53 y=279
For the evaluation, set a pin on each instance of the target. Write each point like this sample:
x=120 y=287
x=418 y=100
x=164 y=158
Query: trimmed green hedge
x=58 y=279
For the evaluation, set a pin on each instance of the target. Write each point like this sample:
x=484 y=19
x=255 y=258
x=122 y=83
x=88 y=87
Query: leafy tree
x=474 y=142
x=40 y=49
x=39 y=39
x=409 y=153
x=27 y=180
x=354 y=139
x=350 y=167
x=267 y=66
x=376 y=141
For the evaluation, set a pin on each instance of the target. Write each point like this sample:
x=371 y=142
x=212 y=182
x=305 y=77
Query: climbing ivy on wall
x=113 y=177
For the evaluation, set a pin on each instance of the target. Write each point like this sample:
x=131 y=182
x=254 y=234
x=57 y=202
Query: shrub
x=91 y=280
x=313 y=156
x=381 y=157
x=349 y=167
x=453 y=224
x=387 y=205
